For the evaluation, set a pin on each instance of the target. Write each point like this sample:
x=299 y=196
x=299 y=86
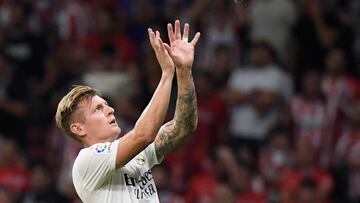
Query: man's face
x=259 y=56
x=99 y=122
x=335 y=62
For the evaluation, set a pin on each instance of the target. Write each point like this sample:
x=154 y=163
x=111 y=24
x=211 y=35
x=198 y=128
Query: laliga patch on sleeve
x=102 y=148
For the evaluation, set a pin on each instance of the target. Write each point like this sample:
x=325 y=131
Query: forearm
x=154 y=114
x=186 y=108
x=185 y=120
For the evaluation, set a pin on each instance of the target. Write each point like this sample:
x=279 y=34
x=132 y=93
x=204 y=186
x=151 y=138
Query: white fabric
x=96 y=179
x=245 y=121
x=271 y=21
x=73 y=17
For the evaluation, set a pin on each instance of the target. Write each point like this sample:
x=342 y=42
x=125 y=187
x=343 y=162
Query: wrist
x=183 y=67
x=167 y=74
x=183 y=72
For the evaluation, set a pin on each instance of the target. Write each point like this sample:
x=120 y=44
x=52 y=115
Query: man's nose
x=110 y=110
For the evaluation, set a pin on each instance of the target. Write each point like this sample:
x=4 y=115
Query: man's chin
x=117 y=132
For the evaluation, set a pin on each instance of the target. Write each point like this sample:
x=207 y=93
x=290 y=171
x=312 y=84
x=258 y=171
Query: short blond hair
x=69 y=104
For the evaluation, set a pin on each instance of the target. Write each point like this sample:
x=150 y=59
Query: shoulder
x=275 y=70
x=97 y=150
x=101 y=148
x=240 y=73
x=81 y=160
x=95 y=164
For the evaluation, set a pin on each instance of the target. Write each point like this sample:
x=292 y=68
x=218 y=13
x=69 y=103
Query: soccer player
x=108 y=169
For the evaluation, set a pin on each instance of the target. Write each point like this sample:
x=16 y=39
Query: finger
x=171 y=34
x=186 y=32
x=151 y=35
x=168 y=48
x=177 y=30
x=157 y=34
x=196 y=38
x=153 y=40
x=160 y=42
x=149 y=32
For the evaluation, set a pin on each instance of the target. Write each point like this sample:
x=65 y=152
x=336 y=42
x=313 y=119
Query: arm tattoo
x=183 y=124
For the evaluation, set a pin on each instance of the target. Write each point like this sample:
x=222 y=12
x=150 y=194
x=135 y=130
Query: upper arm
x=129 y=146
x=166 y=139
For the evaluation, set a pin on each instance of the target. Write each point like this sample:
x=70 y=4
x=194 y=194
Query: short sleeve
x=232 y=80
x=150 y=155
x=96 y=164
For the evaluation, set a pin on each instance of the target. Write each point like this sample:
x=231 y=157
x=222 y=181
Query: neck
x=88 y=143
x=335 y=75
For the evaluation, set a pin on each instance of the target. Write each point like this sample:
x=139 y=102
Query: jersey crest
x=140 y=160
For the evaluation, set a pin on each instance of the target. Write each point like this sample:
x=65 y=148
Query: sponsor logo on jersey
x=143 y=187
x=102 y=148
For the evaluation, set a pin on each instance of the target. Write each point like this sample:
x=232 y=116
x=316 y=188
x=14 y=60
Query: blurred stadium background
x=277 y=84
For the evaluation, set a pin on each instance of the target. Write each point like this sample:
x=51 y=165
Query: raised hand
x=180 y=50
x=185 y=118
x=166 y=62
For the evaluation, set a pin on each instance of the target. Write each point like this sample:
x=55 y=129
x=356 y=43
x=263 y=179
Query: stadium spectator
x=5 y=196
x=348 y=153
x=221 y=67
x=306 y=167
x=338 y=87
x=275 y=159
x=255 y=92
x=308 y=110
x=166 y=194
x=73 y=19
x=317 y=30
x=22 y=48
x=271 y=21
x=42 y=188
x=14 y=174
x=13 y=105
x=108 y=33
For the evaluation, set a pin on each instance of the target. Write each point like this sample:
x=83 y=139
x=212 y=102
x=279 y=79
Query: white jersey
x=96 y=178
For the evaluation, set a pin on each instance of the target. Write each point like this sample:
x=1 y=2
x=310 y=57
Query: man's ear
x=78 y=129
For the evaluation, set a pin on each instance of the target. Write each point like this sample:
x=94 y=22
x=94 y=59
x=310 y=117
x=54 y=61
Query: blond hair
x=69 y=104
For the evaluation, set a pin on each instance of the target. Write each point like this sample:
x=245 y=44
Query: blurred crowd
x=277 y=85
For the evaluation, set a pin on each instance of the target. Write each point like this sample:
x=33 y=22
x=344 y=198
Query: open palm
x=180 y=50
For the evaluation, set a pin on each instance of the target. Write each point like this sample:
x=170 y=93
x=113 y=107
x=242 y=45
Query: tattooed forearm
x=183 y=124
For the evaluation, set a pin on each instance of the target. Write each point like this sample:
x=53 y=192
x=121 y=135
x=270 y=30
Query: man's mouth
x=113 y=121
